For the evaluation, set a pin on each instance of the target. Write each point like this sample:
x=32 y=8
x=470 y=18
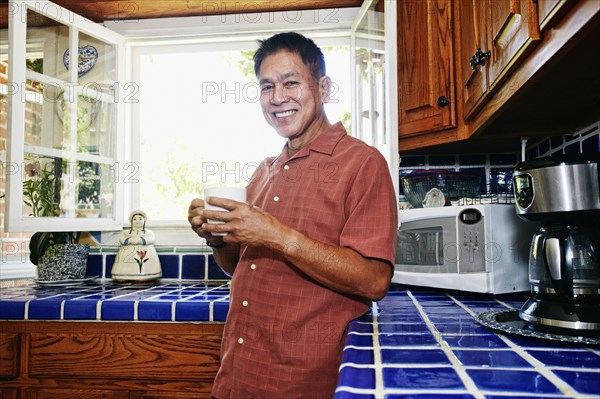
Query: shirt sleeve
x=372 y=222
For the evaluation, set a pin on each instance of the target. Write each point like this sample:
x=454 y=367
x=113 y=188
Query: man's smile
x=284 y=114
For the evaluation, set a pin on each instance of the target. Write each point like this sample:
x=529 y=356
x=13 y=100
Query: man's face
x=290 y=98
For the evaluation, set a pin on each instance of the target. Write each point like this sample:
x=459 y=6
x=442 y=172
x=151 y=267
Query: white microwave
x=477 y=248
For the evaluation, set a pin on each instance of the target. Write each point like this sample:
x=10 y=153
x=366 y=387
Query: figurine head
x=138 y=220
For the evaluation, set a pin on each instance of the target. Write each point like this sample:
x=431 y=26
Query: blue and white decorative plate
x=88 y=55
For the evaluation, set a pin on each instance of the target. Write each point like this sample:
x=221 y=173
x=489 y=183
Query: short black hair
x=309 y=52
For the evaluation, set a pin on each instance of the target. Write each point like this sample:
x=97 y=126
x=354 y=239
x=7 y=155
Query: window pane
x=52 y=186
x=201 y=123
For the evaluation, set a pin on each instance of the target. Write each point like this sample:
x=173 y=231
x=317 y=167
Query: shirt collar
x=324 y=143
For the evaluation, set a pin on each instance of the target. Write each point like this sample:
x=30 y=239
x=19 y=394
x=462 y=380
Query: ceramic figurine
x=137 y=259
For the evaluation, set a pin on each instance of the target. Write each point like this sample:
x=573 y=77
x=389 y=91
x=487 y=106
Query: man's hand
x=243 y=224
x=197 y=221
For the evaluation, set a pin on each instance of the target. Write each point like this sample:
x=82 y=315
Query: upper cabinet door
x=495 y=37
x=474 y=54
x=66 y=121
x=514 y=29
x=425 y=67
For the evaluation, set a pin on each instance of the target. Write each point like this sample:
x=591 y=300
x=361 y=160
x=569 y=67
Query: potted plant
x=58 y=255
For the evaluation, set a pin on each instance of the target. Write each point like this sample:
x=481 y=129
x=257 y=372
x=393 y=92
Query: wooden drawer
x=131 y=356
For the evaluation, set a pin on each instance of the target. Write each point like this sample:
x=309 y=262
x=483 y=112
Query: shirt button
x=245 y=303
x=253 y=266
x=276 y=198
x=286 y=167
x=240 y=341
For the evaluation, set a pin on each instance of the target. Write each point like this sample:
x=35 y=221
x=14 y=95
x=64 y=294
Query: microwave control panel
x=471 y=241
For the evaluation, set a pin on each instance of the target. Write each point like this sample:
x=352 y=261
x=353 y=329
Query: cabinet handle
x=442 y=101
x=479 y=58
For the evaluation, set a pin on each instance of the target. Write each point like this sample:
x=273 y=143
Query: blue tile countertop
x=423 y=343
x=178 y=300
x=415 y=343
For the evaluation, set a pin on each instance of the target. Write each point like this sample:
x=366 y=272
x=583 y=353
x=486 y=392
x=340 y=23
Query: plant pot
x=63 y=262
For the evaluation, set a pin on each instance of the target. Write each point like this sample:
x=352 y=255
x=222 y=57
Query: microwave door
x=426 y=246
x=420 y=247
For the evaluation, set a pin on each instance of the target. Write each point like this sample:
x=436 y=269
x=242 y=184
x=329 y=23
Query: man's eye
x=266 y=88
x=291 y=83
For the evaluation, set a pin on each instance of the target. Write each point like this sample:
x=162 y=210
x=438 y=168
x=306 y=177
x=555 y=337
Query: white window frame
x=17 y=74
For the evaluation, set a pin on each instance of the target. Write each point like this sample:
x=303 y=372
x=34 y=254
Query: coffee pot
x=563 y=193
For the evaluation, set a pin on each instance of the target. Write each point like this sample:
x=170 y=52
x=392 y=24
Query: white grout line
x=506 y=305
x=538 y=366
x=379 y=385
x=99 y=310
x=135 y=310
x=26 y=311
x=456 y=365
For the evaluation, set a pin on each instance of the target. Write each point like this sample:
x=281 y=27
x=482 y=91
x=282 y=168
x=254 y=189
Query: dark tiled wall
x=496 y=169
x=181 y=265
x=586 y=141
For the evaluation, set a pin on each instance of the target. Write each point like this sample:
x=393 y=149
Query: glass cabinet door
x=65 y=121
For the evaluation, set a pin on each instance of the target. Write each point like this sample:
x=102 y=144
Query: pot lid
x=556 y=160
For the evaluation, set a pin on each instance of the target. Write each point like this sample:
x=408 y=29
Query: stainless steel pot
x=558 y=189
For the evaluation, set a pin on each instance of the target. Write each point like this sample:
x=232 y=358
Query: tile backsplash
x=176 y=263
x=585 y=141
x=496 y=169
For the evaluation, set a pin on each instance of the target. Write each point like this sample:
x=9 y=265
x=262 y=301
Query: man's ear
x=325 y=89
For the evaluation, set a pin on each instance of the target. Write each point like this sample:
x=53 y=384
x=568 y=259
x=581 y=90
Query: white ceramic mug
x=233 y=193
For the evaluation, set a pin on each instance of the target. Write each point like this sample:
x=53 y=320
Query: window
x=62 y=134
x=199 y=120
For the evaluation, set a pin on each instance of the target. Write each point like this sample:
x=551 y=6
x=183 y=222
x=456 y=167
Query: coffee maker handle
x=558 y=264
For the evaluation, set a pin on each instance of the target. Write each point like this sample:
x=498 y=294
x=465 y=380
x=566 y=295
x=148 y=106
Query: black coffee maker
x=563 y=194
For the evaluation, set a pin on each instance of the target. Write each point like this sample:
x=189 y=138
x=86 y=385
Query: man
x=312 y=247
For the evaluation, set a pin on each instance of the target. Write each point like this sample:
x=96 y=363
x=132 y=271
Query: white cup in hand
x=233 y=193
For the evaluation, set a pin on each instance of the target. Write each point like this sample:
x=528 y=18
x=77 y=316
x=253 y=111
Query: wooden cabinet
x=425 y=67
x=501 y=58
x=109 y=360
x=8 y=357
x=8 y=393
x=496 y=35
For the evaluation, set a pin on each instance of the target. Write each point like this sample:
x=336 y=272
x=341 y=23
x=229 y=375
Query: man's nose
x=279 y=95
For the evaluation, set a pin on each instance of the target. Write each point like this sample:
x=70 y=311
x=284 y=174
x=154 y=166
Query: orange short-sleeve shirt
x=284 y=333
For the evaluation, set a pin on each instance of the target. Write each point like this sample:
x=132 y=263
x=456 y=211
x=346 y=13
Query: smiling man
x=311 y=249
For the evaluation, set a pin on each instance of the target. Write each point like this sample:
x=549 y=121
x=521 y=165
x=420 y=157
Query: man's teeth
x=284 y=114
